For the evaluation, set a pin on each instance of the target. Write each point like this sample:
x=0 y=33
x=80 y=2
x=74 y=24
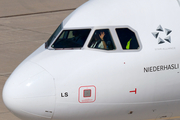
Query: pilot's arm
x=102 y=34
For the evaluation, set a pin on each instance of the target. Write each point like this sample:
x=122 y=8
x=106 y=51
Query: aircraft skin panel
x=85 y=73
x=94 y=84
x=178 y=2
x=128 y=13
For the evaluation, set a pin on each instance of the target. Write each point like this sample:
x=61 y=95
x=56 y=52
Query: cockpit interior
x=100 y=38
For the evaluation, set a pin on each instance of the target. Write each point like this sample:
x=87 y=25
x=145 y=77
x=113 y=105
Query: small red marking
x=124 y=63
x=83 y=99
x=135 y=91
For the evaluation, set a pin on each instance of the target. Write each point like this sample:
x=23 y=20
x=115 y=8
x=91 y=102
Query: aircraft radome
x=108 y=60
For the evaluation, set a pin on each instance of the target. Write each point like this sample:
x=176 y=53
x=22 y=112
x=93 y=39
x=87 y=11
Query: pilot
x=79 y=37
x=99 y=40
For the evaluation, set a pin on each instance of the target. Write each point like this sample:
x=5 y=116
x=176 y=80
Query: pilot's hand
x=101 y=35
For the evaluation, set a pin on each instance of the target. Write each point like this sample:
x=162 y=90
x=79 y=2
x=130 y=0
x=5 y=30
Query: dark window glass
x=71 y=39
x=127 y=38
x=102 y=40
x=54 y=35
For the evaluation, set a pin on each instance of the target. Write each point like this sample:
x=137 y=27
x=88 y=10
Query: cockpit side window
x=127 y=39
x=102 y=40
x=71 y=39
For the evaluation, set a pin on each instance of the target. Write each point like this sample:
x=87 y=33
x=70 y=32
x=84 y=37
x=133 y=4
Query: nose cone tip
x=7 y=98
x=10 y=102
x=31 y=98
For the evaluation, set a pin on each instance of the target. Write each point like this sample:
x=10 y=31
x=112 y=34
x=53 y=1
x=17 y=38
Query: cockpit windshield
x=54 y=35
x=71 y=39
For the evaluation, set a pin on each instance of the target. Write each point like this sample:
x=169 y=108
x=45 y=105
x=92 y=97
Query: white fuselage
x=97 y=84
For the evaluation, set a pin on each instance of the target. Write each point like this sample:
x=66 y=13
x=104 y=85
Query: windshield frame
x=54 y=36
x=118 y=47
x=71 y=28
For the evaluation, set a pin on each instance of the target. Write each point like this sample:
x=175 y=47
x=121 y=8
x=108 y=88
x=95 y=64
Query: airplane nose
x=29 y=93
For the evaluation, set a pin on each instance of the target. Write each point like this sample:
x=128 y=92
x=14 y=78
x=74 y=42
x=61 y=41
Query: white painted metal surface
x=94 y=84
x=178 y=2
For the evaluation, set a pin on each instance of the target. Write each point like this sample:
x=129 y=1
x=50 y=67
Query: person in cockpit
x=78 y=37
x=98 y=41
